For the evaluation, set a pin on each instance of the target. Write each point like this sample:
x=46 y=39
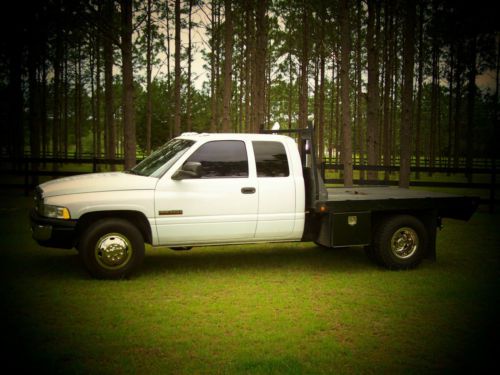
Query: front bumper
x=53 y=232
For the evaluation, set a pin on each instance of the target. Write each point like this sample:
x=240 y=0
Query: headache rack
x=315 y=190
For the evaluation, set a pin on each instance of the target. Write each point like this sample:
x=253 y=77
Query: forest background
x=386 y=82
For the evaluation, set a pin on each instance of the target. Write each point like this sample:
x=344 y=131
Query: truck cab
x=230 y=188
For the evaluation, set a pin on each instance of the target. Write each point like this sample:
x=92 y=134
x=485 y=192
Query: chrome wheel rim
x=113 y=251
x=404 y=243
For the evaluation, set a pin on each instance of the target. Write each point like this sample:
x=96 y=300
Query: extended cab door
x=281 y=193
x=220 y=206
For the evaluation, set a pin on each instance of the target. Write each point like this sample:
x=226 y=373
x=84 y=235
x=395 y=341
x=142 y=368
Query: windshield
x=160 y=161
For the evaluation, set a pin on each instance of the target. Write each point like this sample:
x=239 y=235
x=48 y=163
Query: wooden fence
x=25 y=173
x=30 y=169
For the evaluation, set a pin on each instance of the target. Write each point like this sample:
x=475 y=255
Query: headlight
x=56 y=212
x=47 y=210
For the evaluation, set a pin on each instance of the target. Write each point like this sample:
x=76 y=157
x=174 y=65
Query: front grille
x=38 y=200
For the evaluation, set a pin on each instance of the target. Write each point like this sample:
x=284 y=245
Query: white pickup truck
x=212 y=189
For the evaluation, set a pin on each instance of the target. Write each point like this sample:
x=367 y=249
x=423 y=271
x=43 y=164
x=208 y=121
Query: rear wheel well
x=138 y=219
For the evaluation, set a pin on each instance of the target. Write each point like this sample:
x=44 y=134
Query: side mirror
x=190 y=170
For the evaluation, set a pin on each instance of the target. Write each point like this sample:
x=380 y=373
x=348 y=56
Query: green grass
x=257 y=309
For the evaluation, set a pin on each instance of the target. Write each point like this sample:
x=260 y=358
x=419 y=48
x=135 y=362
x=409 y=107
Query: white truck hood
x=96 y=182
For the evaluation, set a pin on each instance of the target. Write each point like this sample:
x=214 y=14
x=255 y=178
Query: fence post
x=493 y=185
x=26 y=178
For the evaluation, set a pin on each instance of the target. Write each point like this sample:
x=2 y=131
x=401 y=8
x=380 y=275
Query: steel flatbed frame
x=383 y=198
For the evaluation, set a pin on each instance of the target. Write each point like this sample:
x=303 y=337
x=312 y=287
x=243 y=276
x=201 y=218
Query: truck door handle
x=248 y=190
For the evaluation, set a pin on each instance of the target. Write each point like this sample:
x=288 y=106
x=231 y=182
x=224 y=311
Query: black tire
x=111 y=248
x=400 y=242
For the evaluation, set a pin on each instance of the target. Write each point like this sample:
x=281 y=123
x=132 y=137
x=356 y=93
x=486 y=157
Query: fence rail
x=31 y=169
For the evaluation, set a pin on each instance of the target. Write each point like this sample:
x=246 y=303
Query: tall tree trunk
x=109 y=122
x=337 y=109
x=304 y=62
x=148 y=77
x=450 y=104
x=359 y=92
x=248 y=63
x=214 y=68
x=66 y=101
x=98 y=95
x=316 y=94
x=386 y=131
x=321 y=99
x=78 y=103
x=495 y=123
x=267 y=90
x=261 y=31
x=471 y=95
x=372 y=116
x=241 y=91
x=407 y=93
x=345 y=41
x=218 y=86
x=92 y=53
x=290 y=82
x=43 y=111
x=34 y=104
x=12 y=130
x=56 y=122
x=420 y=79
x=395 y=90
x=458 y=104
x=434 y=91
x=129 y=136
x=190 y=60
x=331 y=116
x=169 y=79
x=227 y=69
x=177 y=69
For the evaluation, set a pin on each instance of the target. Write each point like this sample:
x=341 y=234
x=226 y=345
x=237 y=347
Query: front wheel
x=400 y=242
x=111 y=248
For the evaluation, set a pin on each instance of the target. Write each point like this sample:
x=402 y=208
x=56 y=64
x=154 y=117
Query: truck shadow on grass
x=55 y=263
x=278 y=257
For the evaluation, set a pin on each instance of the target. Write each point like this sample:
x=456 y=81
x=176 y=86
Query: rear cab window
x=271 y=159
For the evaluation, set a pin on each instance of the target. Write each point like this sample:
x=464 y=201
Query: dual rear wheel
x=399 y=242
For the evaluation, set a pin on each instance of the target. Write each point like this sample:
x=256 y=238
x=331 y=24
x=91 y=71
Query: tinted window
x=271 y=159
x=222 y=159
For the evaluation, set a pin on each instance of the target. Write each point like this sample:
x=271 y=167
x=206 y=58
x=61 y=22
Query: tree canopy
x=383 y=81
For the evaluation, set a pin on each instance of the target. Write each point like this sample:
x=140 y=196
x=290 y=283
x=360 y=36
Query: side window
x=271 y=159
x=222 y=159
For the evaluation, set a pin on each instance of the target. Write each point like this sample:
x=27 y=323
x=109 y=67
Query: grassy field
x=259 y=309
